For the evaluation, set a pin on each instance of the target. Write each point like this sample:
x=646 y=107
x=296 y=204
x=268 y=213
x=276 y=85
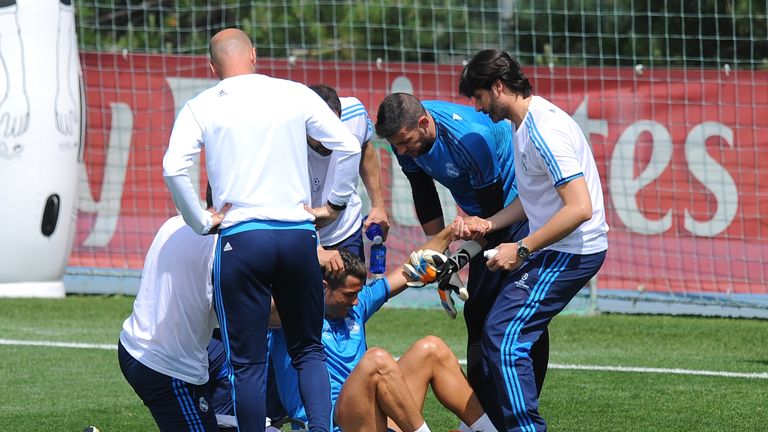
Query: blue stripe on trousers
x=187 y=405
x=263 y=260
x=514 y=389
x=222 y=318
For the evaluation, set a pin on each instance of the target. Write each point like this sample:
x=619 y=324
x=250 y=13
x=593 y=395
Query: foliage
x=660 y=33
x=665 y=33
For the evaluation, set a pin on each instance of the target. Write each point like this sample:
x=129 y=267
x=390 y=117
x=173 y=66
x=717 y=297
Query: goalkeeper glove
x=423 y=267
x=447 y=286
x=446 y=301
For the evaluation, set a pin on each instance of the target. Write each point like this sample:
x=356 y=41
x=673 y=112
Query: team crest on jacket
x=203 y=404
x=353 y=327
x=315 y=184
x=451 y=170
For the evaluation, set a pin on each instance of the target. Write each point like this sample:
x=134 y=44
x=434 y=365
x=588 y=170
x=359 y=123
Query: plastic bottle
x=378 y=258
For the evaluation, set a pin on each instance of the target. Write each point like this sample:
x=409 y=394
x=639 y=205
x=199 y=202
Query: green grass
x=64 y=389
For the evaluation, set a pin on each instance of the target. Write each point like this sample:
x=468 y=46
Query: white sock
x=464 y=428
x=423 y=428
x=483 y=424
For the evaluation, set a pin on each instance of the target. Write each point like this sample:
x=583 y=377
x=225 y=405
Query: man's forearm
x=370 y=173
x=186 y=200
x=440 y=241
x=508 y=215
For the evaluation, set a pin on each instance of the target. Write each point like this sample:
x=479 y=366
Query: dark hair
x=398 y=111
x=488 y=66
x=353 y=266
x=328 y=94
x=208 y=196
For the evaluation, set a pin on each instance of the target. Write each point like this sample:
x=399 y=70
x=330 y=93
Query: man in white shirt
x=562 y=198
x=254 y=129
x=346 y=230
x=162 y=347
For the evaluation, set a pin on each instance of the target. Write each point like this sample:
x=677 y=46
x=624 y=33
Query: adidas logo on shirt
x=227 y=247
x=222 y=93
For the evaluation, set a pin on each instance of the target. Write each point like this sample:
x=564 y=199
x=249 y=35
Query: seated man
x=369 y=388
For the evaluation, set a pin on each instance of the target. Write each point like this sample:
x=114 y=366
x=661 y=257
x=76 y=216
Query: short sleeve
x=372 y=297
x=556 y=152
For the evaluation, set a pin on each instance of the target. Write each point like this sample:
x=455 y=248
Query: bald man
x=254 y=128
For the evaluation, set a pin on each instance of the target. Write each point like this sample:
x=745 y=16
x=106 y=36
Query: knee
x=433 y=348
x=378 y=361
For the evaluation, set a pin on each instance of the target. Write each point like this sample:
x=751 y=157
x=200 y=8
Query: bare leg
x=431 y=362
x=374 y=391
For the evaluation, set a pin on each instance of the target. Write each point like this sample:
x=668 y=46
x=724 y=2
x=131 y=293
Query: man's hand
x=424 y=266
x=330 y=261
x=324 y=215
x=505 y=259
x=471 y=227
x=378 y=215
x=218 y=217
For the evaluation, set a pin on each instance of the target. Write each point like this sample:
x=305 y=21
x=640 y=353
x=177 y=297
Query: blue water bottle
x=378 y=260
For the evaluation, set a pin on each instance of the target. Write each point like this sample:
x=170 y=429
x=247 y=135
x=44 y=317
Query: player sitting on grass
x=370 y=390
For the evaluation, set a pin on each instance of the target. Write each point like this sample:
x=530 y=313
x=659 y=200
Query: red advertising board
x=682 y=155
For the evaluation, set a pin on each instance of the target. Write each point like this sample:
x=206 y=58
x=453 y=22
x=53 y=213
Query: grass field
x=48 y=388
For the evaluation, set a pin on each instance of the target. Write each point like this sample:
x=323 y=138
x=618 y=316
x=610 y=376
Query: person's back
x=470 y=152
x=162 y=347
x=172 y=317
x=263 y=180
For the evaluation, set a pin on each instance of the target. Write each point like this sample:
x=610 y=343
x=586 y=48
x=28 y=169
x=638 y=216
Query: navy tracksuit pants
x=256 y=260
x=484 y=286
x=530 y=298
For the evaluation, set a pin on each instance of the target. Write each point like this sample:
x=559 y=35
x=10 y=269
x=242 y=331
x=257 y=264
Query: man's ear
x=213 y=69
x=497 y=88
x=253 y=58
x=424 y=122
x=325 y=286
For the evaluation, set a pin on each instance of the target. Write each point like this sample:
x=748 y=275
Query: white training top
x=173 y=317
x=550 y=150
x=322 y=170
x=254 y=129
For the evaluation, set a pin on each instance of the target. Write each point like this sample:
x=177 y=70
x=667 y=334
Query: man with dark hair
x=346 y=230
x=562 y=199
x=472 y=157
x=368 y=386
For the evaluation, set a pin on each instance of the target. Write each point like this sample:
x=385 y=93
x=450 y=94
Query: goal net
x=672 y=95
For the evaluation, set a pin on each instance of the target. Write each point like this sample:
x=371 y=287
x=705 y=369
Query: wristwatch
x=522 y=250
